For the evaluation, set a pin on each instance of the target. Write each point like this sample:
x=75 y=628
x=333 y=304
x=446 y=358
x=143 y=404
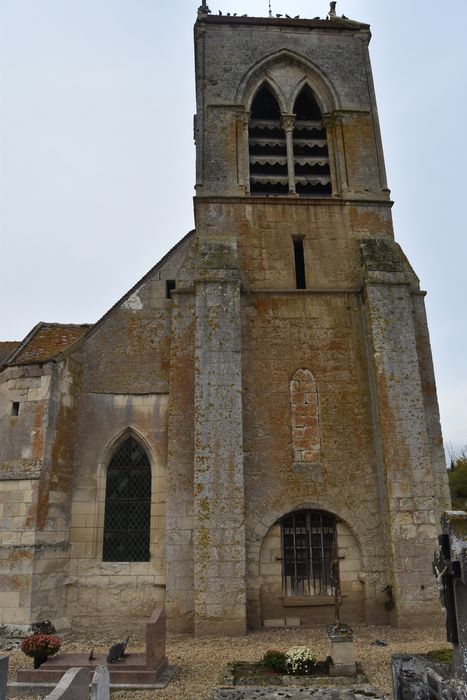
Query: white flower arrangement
x=299 y=661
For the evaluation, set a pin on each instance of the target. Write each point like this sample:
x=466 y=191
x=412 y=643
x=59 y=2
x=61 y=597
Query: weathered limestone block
x=306 y=439
x=406 y=470
x=218 y=469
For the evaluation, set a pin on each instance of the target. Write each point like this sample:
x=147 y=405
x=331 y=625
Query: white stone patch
x=134 y=302
x=100 y=684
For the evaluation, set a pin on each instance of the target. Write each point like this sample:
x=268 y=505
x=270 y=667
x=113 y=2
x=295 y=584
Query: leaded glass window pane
x=127 y=504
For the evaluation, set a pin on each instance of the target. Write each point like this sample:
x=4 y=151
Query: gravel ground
x=200 y=663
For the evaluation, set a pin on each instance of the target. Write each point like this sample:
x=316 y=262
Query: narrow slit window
x=15 y=408
x=299 y=257
x=169 y=287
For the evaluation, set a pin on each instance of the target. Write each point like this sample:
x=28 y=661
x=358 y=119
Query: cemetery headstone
x=100 y=684
x=416 y=676
x=3 y=676
x=450 y=567
x=74 y=685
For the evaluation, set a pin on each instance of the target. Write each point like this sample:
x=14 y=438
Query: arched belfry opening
x=311 y=157
x=267 y=146
x=288 y=152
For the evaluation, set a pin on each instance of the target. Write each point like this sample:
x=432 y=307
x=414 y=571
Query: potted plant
x=40 y=647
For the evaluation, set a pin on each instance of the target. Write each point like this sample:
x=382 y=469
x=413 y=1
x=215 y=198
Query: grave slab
x=133 y=669
x=314 y=693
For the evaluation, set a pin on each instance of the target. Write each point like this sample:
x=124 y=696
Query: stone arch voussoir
x=324 y=90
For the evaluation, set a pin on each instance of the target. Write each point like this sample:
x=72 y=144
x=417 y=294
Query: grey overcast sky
x=97 y=156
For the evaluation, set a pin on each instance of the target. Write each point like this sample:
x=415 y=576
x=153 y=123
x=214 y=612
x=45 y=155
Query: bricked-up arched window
x=304 y=409
x=308 y=552
x=311 y=158
x=127 y=504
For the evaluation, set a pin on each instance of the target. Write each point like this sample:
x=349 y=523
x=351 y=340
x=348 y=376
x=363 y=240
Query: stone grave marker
x=416 y=676
x=100 y=684
x=451 y=569
x=3 y=676
x=137 y=670
x=73 y=686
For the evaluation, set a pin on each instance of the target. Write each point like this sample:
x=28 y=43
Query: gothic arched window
x=127 y=504
x=311 y=158
x=309 y=553
x=288 y=153
x=267 y=146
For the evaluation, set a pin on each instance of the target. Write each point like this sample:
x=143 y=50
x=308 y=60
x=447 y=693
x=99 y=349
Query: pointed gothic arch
x=311 y=157
x=327 y=96
x=267 y=145
x=127 y=515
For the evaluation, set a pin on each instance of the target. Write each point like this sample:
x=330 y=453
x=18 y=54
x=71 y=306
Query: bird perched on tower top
x=203 y=9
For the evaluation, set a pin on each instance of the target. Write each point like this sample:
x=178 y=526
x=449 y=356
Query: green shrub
x=274 y=659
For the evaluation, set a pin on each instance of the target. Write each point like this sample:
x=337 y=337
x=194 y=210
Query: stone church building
x=258 y=414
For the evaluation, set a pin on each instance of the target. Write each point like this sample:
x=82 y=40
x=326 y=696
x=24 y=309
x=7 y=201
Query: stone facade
x=252 y=396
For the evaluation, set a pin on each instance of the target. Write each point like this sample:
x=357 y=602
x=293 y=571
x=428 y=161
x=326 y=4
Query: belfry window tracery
x=288 y=153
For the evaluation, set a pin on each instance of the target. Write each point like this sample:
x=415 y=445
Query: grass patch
x=440 y=656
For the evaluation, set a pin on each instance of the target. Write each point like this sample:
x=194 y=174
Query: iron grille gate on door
x=127 y=505
x=308 y=545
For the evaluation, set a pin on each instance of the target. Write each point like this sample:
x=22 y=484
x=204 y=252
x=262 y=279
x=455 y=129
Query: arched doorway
x=295 y=568
x=308 y=543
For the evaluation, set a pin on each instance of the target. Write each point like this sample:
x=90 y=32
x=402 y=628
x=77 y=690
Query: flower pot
x=39 y=659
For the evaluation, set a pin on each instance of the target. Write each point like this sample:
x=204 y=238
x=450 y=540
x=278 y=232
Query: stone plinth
x=342 y=651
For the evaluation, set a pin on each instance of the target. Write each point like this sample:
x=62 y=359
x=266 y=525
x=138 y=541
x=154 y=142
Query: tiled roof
x=45 y=341
x=6 y=348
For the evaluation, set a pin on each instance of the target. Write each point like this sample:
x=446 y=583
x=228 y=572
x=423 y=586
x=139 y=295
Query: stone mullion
x=334 y=124
x=244 y=151
x=288 y=123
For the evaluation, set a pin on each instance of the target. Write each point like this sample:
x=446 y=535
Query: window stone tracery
x=287 y=151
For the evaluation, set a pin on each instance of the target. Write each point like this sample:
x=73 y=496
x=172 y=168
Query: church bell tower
x=300 y=283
